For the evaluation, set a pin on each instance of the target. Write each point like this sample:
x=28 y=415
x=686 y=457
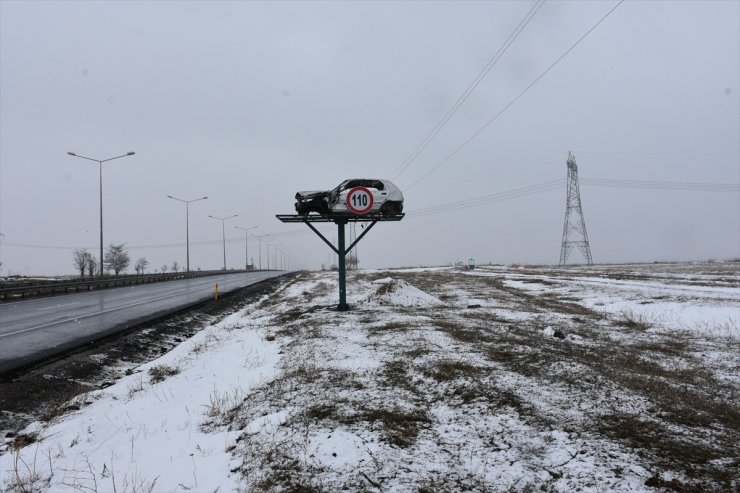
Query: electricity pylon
x=352 y=260
x=574 y=229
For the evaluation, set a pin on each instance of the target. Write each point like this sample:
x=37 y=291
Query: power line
x=497 y=115
x=489 y=198
x=469 y=90
x=283 y=234
x=672 y=154
x=46 y=247
x=556 y=184
x=662 y=185
x=463 y=204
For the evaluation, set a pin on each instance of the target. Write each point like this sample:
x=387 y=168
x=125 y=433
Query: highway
x=34 y=329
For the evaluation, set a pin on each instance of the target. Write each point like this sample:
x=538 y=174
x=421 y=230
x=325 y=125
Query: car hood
x=310 y=193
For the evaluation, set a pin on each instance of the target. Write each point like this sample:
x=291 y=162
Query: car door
x=380 y=194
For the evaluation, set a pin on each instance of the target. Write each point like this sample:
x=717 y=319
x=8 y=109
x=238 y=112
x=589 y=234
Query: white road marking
x=75 y=319
x=58 y=306
x=130 y=294
x=223 y=282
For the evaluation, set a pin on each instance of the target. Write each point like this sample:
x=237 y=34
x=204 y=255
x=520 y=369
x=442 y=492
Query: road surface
x=34 y=329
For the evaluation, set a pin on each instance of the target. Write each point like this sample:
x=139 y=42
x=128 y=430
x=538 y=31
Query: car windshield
x=347 y=184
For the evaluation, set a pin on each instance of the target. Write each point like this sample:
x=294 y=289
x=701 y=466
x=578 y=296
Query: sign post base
x=340 y=220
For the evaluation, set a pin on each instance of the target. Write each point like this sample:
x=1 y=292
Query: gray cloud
x=249 y=102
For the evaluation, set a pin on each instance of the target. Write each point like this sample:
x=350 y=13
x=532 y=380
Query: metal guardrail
x=28 y=289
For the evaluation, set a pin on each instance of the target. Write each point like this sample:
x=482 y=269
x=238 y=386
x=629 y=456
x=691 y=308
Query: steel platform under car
x=341 y=220
x=337 y=218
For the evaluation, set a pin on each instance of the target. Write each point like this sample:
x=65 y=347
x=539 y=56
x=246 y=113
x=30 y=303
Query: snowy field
x=518 y=378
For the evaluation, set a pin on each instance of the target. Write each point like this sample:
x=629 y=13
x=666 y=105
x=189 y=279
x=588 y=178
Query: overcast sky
x=248 y=102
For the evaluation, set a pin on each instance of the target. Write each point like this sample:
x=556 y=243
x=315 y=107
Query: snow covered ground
x=606 y=378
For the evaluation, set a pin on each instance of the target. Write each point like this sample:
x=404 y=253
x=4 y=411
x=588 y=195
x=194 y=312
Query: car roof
x=387 y=183
x=384 y=180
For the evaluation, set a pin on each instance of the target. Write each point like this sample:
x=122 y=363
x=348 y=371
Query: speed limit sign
x=360 y=200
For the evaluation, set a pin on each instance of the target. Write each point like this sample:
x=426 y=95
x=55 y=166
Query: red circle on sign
x=360 y=200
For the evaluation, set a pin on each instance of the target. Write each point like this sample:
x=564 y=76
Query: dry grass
x=23 y=440
x=446 y=370
x=459 y=332
x=399 y=427
x=635 y=321
x=223 y=406
x=159 y=373
x=648 y=391
x=689 y=404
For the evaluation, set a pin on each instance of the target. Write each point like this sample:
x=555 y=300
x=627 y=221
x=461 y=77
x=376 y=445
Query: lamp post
x=267 y=243
x=281 y=258
x=259 y=237
x=100 y=166
x=187 y=225
x=246 y=244
x=223 y=232
x=275 y=255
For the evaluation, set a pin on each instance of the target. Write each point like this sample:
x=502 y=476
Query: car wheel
x=390 y=209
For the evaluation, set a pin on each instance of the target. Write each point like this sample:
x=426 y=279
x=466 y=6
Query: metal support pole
x=187 y=236
x=246 y=244
x=100 y=163
x=223 y=232
x=187 y=227
x=223 y=238
x=343 y=306
x=322 y=237
x=341 y=248
x=261 y=238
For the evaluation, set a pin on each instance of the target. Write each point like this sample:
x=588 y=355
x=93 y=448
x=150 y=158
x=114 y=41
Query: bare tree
x=175 y=266
x=352 y=262
x=140 y=265
x=164 y=268
x=79 y=260
x=116 y=258
x=92 y=264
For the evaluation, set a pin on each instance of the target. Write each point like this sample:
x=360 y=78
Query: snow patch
x=397 y=292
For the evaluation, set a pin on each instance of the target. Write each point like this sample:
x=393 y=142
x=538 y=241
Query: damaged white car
x=383 y=197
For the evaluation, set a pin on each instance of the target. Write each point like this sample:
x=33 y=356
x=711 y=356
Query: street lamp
x=274 y=254
x=223 y=232
x=246 y=244
x=1 y=251
x=278 y=253
x=100 y=165
x=267 y=244
x=259 y=238
x=187 y=224
x=281 y=257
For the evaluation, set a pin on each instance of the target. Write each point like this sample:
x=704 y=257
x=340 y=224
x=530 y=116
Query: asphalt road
x=34 y=329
